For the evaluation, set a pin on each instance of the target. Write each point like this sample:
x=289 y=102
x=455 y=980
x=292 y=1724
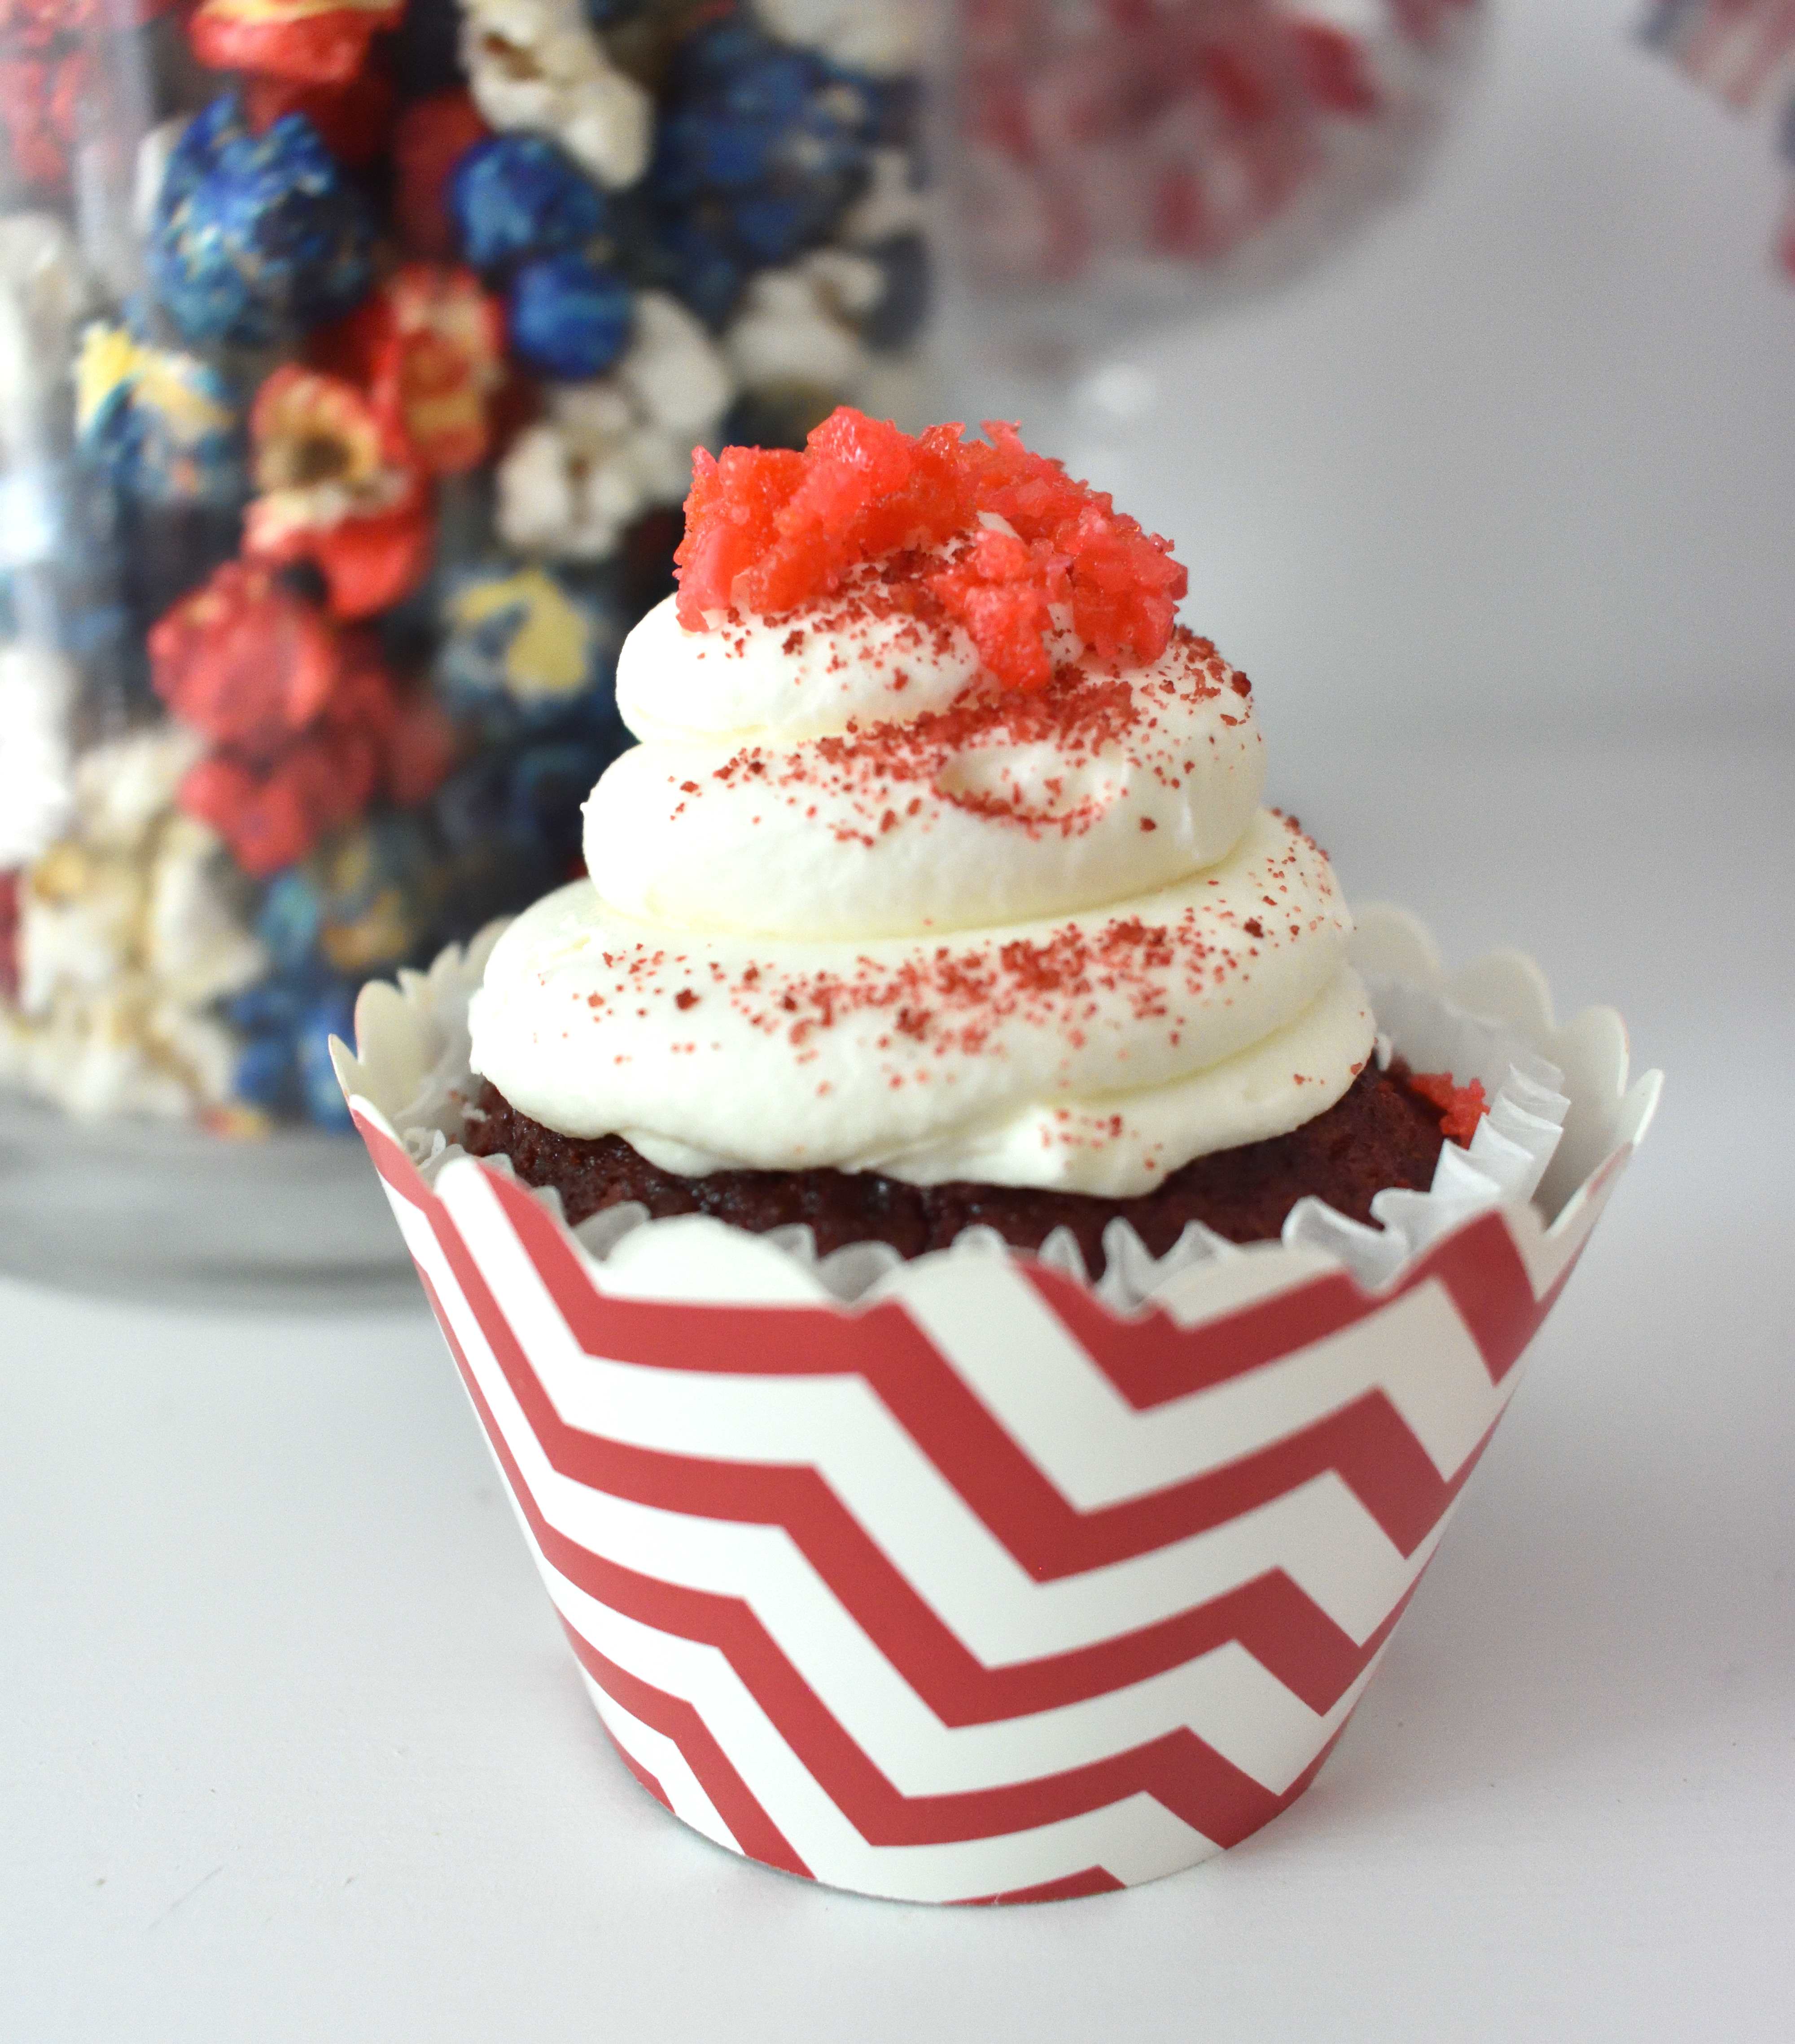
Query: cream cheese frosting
x=854 y=907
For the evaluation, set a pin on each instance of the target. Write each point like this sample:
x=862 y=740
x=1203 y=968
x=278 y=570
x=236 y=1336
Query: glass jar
x=352 y=360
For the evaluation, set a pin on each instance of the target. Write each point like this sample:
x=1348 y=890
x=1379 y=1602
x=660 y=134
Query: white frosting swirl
x=856 y=908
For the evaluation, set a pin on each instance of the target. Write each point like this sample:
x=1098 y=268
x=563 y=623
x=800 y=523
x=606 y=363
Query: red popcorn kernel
x=430 y=137
x=435 y=345
x=290 y=38
x=351 y=119
x=245 y=660
x=9 y=936
x=1461 y=1107
x=269 y=816
x=336 y=489
x=769 y=530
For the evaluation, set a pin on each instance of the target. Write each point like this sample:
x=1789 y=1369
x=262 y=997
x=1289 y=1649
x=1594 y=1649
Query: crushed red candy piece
x=351 y=119
x=1461 y=1107
x=769 y=530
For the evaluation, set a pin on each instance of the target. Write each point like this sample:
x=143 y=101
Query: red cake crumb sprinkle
x=1461 y=1107
x=770 y=530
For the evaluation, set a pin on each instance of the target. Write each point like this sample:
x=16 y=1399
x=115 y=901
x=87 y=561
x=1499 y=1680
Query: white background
x=1499 y=513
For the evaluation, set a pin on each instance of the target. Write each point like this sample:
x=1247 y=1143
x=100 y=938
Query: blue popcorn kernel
x=288 y=924
x=693 y=257
x=547 y=792
x=331 y=1014
x=257 y=237
x=527 y=650
x=615 y=13
x=519 y=196
x=569 y=316
x=166 y=427
x=266 y=1075
x=781 y=139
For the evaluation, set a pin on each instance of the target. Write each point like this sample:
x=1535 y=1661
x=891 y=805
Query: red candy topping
x=1461 y=1107
x=770 y=530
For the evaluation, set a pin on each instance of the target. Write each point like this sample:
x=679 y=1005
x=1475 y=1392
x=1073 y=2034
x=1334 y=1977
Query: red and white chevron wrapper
x=979 y=1589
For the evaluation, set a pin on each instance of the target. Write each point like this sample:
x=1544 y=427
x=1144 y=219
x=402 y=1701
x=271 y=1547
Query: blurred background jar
x=351 y=358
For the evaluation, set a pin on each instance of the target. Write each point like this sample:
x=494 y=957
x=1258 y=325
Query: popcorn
x=125 y=789
x=882 y=39
x=195 y=942
x=165 y=426
x=794 y=329
x=256 y=236
x=351 y=117
x=296 y=40
x=438 y=348
x=245 y=661
x=517 y=196
x=335 y=489
x=37 y=763
x=430 y=138
x=272 y=813
x=43 y=295
x=526 y=648
x=674 y=375
x=611 y=450
x=569 y=317
x=127 y=927
x=536 y=65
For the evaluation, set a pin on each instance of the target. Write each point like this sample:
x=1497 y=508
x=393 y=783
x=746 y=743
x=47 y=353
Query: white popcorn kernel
x=153 y=153
x=537 y=65
x=618 y=446
x=673 y=372
x=787 y=332
x=195 y=944
x=891 y=204
x=37 y=759
x=882 y=39
x=124 y=788
x=44 y=294
x=79 y=913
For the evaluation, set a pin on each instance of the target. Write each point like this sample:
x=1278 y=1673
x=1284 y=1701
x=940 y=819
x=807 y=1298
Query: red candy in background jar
x=357 y=354
x=1099 y=141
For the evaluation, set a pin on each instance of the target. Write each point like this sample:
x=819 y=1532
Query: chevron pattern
x=982 y=1592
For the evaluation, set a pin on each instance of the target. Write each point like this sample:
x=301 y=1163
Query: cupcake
x=985 y=1287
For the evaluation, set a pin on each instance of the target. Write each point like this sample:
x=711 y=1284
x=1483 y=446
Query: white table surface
x=290 y=1746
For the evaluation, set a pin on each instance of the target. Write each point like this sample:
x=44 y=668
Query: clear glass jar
x=351 y=363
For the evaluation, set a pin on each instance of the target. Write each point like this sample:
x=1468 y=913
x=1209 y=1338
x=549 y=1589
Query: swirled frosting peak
x=866 y=897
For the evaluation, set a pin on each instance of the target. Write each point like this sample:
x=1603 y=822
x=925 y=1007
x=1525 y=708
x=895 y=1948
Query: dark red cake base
x=1379 y=1134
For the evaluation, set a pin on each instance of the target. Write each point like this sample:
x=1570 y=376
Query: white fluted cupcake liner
x=963 y=1579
